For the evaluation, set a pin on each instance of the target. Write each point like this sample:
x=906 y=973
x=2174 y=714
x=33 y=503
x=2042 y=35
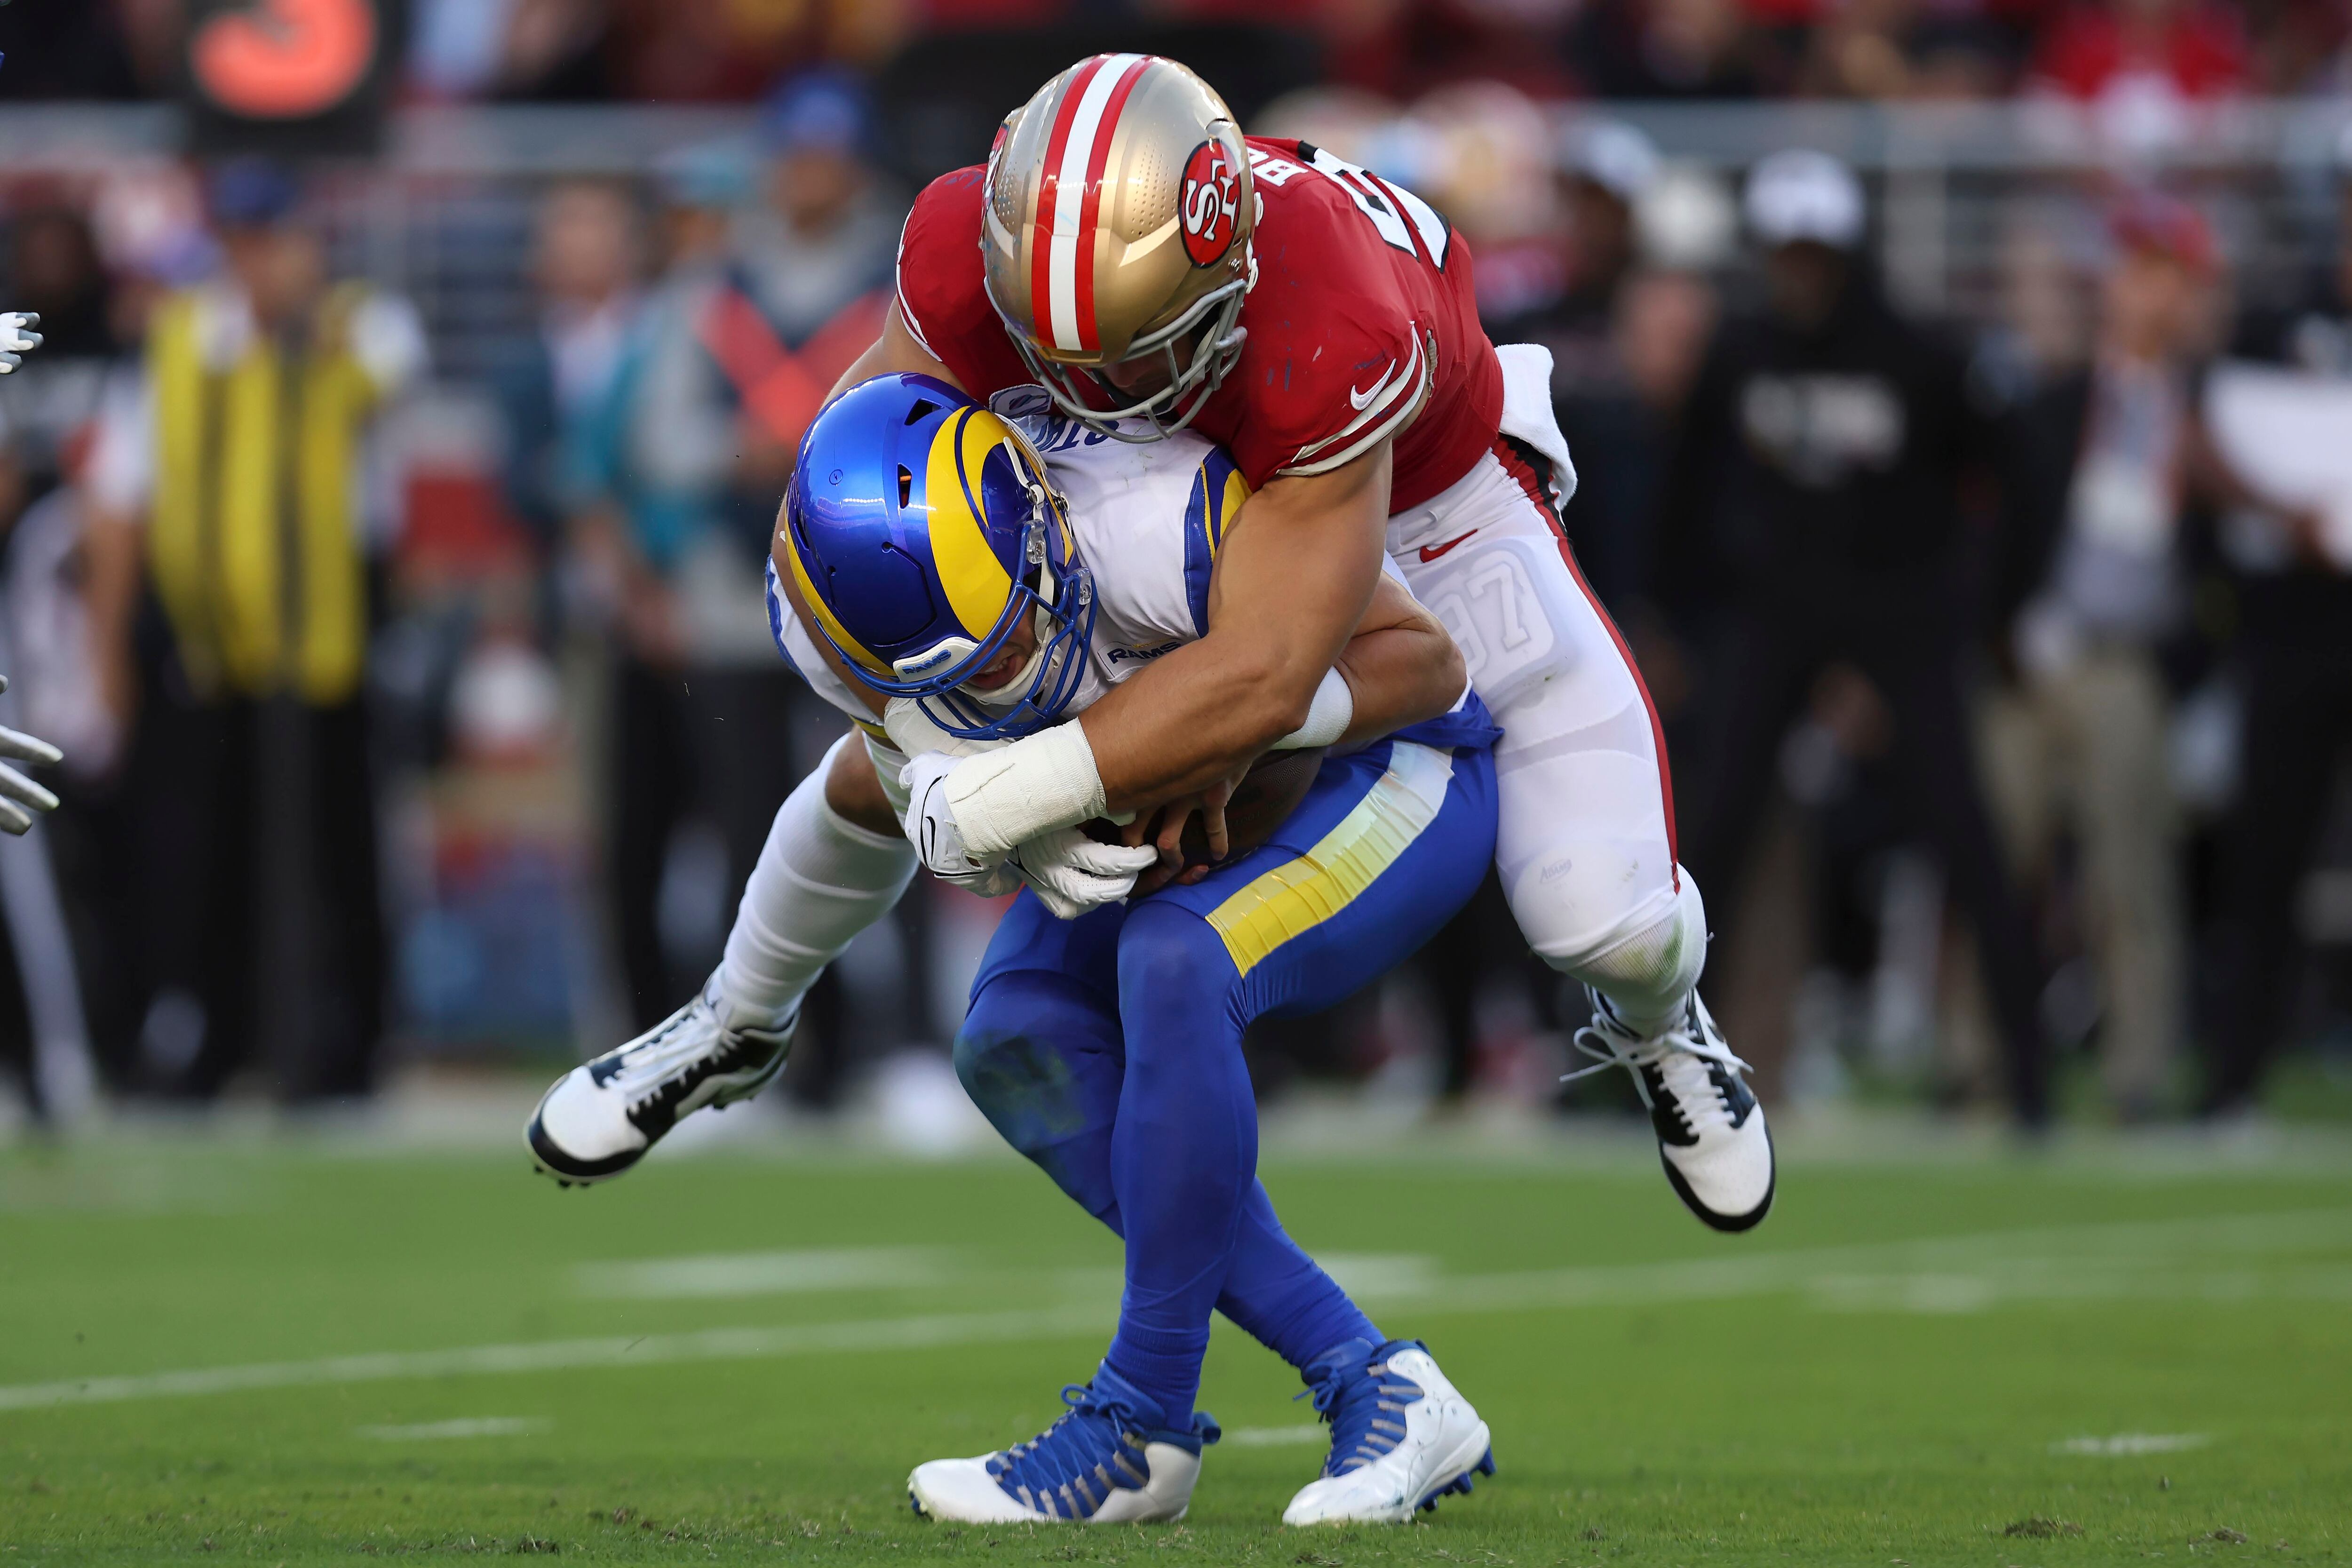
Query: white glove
x=1072 y=874
x=931 y=828
x=17 y=340
x=14 y=787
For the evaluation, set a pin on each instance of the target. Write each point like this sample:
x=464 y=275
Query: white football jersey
x=1148 y=518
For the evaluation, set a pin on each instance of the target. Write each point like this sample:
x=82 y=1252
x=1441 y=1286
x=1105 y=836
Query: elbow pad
x=1327 y=716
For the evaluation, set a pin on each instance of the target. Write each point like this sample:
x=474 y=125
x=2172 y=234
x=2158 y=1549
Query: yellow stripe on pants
x=1299 y=895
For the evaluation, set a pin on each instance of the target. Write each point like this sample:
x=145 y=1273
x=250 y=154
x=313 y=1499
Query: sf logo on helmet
x=1209 y=204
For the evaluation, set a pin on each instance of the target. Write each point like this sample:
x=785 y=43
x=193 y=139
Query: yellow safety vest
x=254 y=548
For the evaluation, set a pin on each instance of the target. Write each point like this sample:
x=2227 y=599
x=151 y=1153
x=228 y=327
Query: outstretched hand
x=17 y=339
x=20 y=796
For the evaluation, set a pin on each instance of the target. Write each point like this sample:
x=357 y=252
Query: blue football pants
x=1108 y=1049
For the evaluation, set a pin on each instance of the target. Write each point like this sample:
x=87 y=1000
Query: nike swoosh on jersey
x=1360 y=399
x=1431 y=551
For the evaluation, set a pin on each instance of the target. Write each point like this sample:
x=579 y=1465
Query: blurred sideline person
x=2296 y=667
x=43 y=1021
x=239 y=454
x=2105 y=463
x=584 y=264
x=998 y=596
x=19 y=795
x=34 y=926
x=1599 y=405
x=749 y=323
x=1811 y=515
x=694 y=722
x=67 y=687
x=813 y=258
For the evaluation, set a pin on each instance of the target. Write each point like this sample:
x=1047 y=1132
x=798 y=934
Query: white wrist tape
x=1327 y=716
x=1008 y=796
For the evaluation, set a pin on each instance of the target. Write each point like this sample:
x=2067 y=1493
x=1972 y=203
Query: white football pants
x=1585 y=847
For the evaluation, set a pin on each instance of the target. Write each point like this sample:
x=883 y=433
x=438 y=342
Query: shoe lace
x=1366 y=1413
x=1073 y=1465
x=662 y=1061
x=1681 y=1054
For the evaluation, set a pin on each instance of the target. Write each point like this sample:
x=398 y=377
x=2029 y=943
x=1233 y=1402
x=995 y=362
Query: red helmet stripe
x=1072 y=148
x=1049 y=192
x=1089 y=338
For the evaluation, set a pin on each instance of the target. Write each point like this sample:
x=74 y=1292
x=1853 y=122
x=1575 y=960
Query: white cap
x=1800 y=195
x=1686 y=220
x=1613 y=155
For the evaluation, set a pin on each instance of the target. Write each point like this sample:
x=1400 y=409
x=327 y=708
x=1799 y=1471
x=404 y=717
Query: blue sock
x=1184 y=1155
x=1280 y=1296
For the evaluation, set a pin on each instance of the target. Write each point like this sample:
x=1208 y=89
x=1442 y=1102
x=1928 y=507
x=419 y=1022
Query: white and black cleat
x=1711 y=1134
x=1402 y=1435
x=601 y=1117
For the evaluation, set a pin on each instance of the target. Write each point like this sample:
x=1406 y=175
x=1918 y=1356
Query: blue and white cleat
x=602 y=1116
x=1110 y=1459
x=1402 y=1436
x=1711 y=1134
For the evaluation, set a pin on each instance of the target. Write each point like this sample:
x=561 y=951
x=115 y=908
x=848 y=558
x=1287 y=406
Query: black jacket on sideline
x=2040 y=443
x=1828 y=463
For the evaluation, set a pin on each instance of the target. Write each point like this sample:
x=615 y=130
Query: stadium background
x=285 y=972
x=540 y=178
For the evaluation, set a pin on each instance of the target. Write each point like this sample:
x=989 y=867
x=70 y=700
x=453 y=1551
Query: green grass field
x=278 y=1353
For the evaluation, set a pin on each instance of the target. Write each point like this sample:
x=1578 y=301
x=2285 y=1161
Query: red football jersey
x=1364 y=313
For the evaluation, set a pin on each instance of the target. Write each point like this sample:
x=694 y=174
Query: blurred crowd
x=2132 y=55
x=2006 y=661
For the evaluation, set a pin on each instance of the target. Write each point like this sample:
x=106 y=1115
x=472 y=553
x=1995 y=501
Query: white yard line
x=2128 y=1445
x=2207 y=1256
x=2219 y=1258
x=770 y=1273
x=558 y=1355
x=472 y=1427
x=1277 y=1436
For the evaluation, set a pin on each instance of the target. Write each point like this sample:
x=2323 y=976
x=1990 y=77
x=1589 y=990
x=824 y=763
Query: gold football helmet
x=1117 y=225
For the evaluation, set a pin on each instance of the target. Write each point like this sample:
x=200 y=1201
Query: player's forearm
x=1294 y=581
x=1194 y=718
x=1399 y=676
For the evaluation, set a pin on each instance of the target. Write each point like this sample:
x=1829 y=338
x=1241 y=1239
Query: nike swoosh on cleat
x=1431 y=551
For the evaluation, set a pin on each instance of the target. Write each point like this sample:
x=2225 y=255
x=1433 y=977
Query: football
x=1264 y=798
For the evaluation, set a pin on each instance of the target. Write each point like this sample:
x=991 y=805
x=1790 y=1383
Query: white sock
x=1650 y=974
x=821 y=879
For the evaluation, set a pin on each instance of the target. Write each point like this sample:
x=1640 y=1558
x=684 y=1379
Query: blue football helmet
x=919 y=529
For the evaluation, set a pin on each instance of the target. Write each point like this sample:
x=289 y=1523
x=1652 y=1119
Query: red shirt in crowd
x=2199 y=51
